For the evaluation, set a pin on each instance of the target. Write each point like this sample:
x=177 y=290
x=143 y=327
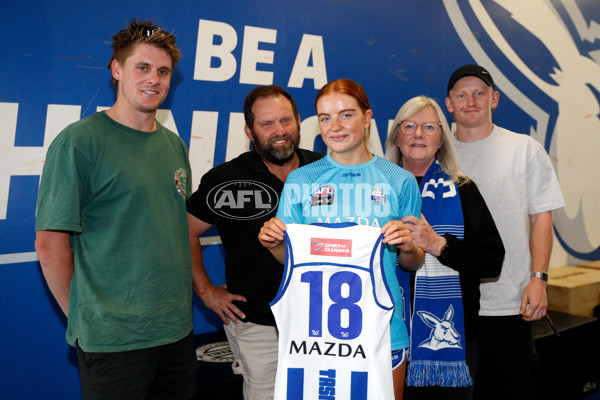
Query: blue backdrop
x=544 y=56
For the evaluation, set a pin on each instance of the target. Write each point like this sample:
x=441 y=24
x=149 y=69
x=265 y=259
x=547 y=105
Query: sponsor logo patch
x=331 y=247
x=323 y=196
x=378 y=197
x=181 y=181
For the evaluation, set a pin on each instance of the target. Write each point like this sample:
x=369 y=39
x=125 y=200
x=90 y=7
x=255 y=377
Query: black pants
x=163 y=372
x=508 y=362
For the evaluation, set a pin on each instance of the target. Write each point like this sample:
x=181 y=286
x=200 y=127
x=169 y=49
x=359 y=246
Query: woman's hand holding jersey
x=396 y=233
x=271 y=237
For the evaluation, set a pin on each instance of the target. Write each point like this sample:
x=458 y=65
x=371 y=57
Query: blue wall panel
x=55 y=72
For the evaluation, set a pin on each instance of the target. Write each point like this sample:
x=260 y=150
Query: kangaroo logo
x=443 y=335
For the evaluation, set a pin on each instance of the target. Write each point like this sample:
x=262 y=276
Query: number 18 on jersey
x=333 y=311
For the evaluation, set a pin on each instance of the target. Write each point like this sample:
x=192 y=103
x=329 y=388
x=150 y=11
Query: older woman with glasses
x=462 y=245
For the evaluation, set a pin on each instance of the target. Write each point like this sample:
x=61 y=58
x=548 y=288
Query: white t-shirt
x=516 y=178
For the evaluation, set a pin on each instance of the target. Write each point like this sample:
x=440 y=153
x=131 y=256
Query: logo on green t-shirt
x=181 y=181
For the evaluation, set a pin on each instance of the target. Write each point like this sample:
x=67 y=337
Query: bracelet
x=541 y=275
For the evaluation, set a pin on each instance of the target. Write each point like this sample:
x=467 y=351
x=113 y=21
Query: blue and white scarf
x=436 y=329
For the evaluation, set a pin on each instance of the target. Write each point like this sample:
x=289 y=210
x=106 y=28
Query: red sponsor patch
x=331 y=247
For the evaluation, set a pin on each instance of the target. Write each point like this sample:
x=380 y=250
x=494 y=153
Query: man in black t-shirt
x=238 y=197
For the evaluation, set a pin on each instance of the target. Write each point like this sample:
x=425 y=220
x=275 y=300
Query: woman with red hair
x=351 y=184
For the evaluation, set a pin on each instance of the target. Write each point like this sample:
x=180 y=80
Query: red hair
x=346 y=86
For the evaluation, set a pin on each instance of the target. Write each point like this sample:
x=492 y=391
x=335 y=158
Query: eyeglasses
x=429 y=128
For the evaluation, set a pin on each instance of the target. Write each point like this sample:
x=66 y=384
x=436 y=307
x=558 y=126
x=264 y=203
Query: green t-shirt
x=121 y=192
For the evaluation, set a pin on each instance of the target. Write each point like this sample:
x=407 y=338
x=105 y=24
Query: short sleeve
x=411 y=198
x=290 y=205
x=544 y=193
x=63 y=189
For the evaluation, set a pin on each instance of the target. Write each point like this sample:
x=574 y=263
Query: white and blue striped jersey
x=333 y=311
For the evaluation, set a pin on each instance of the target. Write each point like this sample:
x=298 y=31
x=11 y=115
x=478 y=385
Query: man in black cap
x=517 y=180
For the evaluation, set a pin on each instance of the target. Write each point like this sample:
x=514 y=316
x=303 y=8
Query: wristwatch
x=445 y=250
x=542 y=275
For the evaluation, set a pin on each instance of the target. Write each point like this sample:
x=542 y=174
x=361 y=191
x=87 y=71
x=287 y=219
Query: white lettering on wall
x=215 y=61
x=206 y=50
x=202 y=144
x=311 y=45
x=237 y=141
x=27 y=160
x=252 y=55
x=309 y=130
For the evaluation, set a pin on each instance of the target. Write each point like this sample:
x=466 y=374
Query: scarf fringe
x=438 y=373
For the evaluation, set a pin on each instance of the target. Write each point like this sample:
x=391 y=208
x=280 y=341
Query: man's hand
x=534 y=302
x=219 y=300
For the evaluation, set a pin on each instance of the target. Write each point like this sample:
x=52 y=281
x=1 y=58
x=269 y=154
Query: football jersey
x=371 y=193
x=333 y=312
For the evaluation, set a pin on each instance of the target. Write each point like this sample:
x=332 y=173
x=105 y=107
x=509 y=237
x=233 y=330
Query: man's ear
x=495 y=98
x=248 y=132
x=115 y=69
x=449 y=105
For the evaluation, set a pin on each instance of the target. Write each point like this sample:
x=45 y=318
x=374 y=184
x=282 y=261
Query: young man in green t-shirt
x=112 y=236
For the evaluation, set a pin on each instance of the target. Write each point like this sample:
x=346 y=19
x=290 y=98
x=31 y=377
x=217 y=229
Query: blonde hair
x=446 y=154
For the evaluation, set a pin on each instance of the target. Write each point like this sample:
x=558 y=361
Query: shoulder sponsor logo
x=331 y=247
x=243 y=200
x=378 y=196
x=323 y=196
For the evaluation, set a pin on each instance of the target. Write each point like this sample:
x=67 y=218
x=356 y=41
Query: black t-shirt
x=238 y=197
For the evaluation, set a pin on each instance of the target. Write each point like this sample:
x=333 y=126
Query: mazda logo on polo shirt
x=242 y=199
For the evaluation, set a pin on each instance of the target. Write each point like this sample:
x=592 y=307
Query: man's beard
x=279 y=155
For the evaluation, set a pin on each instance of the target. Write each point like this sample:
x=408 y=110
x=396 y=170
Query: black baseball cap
x=470 y=70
